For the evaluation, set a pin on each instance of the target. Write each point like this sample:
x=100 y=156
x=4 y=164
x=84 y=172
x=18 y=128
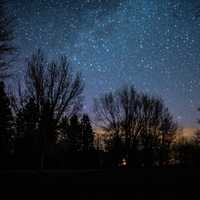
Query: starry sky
x=153 y=44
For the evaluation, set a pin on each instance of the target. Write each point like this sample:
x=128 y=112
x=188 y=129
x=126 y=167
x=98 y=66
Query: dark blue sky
x=153 y=44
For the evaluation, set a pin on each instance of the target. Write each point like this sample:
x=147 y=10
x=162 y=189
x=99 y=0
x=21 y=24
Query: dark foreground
x=117 y=177
x=109 y=184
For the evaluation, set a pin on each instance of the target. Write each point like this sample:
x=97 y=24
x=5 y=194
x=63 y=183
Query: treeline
x=44 y=117
x=42 y=125
x=141 y=127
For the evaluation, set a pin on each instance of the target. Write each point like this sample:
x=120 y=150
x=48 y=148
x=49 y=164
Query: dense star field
x=153 y=44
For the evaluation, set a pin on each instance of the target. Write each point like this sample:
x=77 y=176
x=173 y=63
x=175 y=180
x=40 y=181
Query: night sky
x=153 y=44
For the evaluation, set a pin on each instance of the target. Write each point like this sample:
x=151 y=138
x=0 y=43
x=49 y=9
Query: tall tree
x=74 y=136
x=158 y=130
x=141 y=121
x=6 y=121
x=87 y=133
x=56 y=92
x=27 y=140
x=27 y=119
x=118 y=114
x=6 y=40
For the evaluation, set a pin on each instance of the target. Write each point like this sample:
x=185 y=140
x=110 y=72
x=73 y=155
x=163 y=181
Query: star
x=150 y=44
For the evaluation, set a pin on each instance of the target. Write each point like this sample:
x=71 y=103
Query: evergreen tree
x=27 y=119
x=74 y=135
x=87 y=133
x=27 y=141
x=63 y=128
x=6 y=121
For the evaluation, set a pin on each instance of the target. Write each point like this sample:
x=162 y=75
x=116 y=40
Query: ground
x=107 y=184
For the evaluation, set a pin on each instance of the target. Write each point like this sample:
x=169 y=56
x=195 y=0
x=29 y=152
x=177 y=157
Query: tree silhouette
x=158 y=130
x=63 y=128
x=115 y=145
x=141 y=121
x=87 y=133
x=6 y=39
x=196 y=137
x=74 y=136
x=6 y=122
x=27 y=119
x=56 y=93
x=186 y=153
x=27 y=140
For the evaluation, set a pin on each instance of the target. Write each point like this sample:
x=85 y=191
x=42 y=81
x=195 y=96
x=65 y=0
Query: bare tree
x=54 y=83
x=158 y=130
x=138 y=119
x=108 y=113
x=56 y=93
x=131 y=121
x=118 y=114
